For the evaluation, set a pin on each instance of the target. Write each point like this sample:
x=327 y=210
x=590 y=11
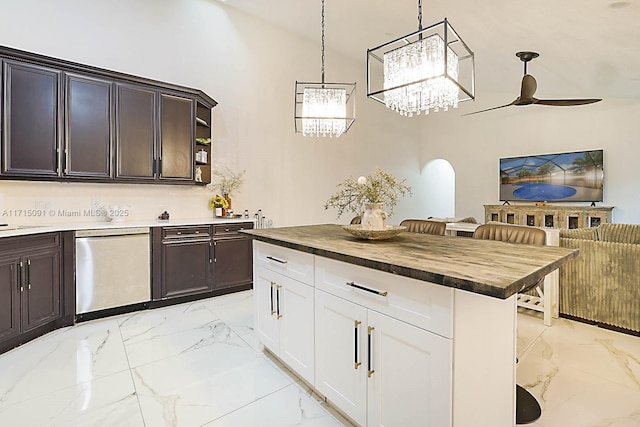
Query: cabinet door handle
x=356 y=359
x=20 y=277
x=278 y=315
x=369 y=370
x=29 y=274
x=276 y=260
x=373 y=291
x=271 y=301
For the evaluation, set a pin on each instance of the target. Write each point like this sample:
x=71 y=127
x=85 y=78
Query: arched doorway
x=440 y=189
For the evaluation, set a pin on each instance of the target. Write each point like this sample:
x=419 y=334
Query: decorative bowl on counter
x=363 y=233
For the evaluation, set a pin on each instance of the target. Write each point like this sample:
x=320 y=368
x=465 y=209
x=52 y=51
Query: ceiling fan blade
x=565 y=102
x=489 y=109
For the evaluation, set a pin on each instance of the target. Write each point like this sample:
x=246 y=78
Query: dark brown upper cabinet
x=88 y=119
x=136 y=108
x=31 y=120
x=67 y=121
x=177 y=122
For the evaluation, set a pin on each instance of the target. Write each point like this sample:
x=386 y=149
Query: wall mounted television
x=568 y=177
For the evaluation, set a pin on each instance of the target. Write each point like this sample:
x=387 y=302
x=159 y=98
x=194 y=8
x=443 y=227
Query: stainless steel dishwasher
x=113 y=269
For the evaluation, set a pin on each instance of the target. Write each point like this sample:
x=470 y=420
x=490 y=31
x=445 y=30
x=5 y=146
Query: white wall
x=250 y=68
x=474 y=144
x=246 y=65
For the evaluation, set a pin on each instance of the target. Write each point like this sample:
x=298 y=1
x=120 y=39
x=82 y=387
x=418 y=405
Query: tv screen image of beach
x=569 y=177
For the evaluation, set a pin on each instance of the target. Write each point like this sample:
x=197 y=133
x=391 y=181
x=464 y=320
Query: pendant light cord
x=419 y=15
x=323 y=41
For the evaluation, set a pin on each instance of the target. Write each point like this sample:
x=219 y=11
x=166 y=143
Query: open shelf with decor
x=202 y=151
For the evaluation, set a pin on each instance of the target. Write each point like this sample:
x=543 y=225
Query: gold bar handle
x=369 y=370
x=271 y=301
x=356 y=362
x=278 y=315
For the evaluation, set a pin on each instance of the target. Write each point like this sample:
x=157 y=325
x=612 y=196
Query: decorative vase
x=373 y=217
x=226 y=196
x=218 y=212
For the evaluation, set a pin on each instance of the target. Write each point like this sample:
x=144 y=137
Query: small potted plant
x=366 y=196
x=218 y=204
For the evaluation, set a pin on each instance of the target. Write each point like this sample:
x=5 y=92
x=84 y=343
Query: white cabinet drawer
x=289 y=262
x=423 y=304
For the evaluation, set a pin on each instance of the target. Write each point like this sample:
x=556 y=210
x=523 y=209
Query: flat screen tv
x=567 y=177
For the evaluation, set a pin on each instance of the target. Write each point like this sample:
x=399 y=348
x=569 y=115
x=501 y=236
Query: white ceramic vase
x=218 y=212
x=373 y=217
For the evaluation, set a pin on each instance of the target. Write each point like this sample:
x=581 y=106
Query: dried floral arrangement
x=379 y=187
x=226 y=180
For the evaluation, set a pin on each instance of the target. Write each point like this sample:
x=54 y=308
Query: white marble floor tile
x=106 y=401
x=201 y=362
x=199 y=386
x=577 y=399
x=292 y=406
x=53 y=362
x=236 y=312
x=609 y=355
x=157 y=334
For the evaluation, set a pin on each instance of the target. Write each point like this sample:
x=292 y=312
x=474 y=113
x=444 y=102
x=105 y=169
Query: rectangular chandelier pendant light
x=430 y=69
x=324 y=109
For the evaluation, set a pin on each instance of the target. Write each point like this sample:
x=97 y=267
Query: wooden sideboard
x=552 y=216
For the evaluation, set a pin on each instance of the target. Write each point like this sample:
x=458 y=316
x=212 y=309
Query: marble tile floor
x=199 y=364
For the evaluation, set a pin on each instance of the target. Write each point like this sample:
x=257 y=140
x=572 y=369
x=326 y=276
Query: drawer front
x=186 y=232
x=231 y=230
x=423 y=304
x=288 y=262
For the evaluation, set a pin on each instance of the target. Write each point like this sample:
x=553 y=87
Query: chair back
x=424 y=226
x=511 y=233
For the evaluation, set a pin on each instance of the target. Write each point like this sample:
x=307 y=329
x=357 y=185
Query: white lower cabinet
x=378 y=370
x=341 y=340
x=284 y=319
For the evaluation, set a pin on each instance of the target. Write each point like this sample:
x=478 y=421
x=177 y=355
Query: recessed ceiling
x=588 y=48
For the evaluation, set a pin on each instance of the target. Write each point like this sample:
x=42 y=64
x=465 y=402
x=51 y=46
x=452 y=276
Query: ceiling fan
x=528 y=89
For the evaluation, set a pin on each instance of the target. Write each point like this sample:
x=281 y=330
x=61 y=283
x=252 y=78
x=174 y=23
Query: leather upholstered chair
x=425 y=226
x=527 y=407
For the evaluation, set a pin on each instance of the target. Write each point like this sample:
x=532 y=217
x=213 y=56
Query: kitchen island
x=414 y=330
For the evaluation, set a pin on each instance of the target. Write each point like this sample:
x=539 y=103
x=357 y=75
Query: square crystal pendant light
x=431 y=69
x=324 y=109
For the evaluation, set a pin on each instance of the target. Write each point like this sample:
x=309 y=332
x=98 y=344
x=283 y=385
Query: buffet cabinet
x=199 y=261
x=550 y=216
x=68 y=121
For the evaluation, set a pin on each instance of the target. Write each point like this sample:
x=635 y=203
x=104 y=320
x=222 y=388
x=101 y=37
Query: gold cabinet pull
x=364 y=288
x=369 y=370
x=356 y=359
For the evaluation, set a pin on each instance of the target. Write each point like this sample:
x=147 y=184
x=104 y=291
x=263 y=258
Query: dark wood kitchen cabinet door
x=41 y=281
x=135 y=132
x=31 y=133
x=9 y=297
x=87 y=127
x=186 y=268
x=233 y=262
x=176 y=138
